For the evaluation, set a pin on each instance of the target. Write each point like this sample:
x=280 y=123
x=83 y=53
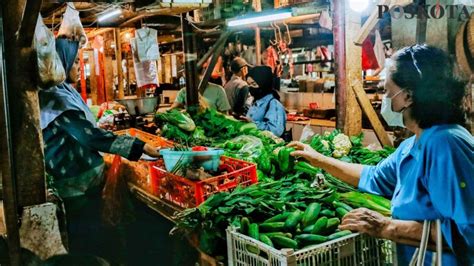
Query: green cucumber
x=328 y=213
x=341 y=212
x=320 y=225
x=308 y=229
x=284 y=242
x=310 y=239
x=332 y=225
x=244 y=225
x=253 y=231
x=293 y=220
x=252 y=249
x=339 y=234
x=272 y=227
x=272 y=234
x=338 y=204
x=278 y=218
x=311 y=214
x=266 y=240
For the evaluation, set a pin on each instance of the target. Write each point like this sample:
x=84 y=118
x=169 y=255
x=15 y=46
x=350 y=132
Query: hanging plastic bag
x=147 y=45
x=117 y=208
x=307 y=133
x=50 y=68
x=145 y=71
x=71 y=26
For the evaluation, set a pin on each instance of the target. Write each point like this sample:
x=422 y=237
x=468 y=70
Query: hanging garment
x=147 y=44
x=272 y=57
x=369 y=61
x=145 y=71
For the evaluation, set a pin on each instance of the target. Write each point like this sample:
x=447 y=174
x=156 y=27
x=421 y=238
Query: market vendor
x=430 y=175
x=72 y=143
x=266 y=112
x=237 y=88
x=214 y=96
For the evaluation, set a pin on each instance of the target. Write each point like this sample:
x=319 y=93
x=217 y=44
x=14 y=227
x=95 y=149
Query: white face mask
x=393 y=119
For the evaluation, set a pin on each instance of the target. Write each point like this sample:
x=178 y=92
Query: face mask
x=393 y=119
x=256 y=92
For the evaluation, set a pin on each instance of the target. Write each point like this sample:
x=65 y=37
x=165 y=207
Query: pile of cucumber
x=300 y=228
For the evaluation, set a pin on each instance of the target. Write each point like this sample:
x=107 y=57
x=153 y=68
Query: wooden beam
x=118 y=58
x=28 y=23
x=373 y=19
x=217 y=51
x=190 y=65
x=369 y=111
x=348 y=68
x=23 y=181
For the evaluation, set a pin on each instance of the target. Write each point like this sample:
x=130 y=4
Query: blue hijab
x=61 y=98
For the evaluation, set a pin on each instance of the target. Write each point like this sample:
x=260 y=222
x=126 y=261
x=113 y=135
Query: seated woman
x=266 y=112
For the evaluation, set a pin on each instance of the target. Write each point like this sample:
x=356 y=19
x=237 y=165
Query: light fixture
x=109 y=14
x=128 y=35
x=258 y=19
x=359 y=5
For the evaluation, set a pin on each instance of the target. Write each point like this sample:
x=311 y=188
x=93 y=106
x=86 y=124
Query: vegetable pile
x=289 y=212
x=294 y=204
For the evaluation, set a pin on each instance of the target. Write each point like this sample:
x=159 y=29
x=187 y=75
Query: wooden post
x=190 y=64
x=118 y=58
x=258 y=42
x=109 y=78
x=22 y=164
x=101 y=95
x=93 y=76
x=348 y=68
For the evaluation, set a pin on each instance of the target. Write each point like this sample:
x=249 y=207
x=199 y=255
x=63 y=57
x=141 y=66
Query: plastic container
x=186 y=193
x=209 y=159
x=354 y=249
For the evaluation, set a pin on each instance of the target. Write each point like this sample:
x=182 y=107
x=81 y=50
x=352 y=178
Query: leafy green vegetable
x=177 y=118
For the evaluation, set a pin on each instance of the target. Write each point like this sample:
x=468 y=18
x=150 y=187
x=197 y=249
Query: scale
x=141 y=112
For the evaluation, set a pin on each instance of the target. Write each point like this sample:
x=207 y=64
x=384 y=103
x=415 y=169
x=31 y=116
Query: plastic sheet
x=50 y=68
x=71 y=25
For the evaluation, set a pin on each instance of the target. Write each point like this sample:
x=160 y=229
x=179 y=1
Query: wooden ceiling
x=133 y=14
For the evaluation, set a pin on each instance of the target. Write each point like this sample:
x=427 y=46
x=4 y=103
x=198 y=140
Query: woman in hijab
x=266 y=111
x=72 y=143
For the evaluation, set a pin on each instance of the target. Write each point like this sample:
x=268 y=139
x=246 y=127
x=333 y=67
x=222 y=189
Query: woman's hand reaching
x=306 y=152
x=366 y=221
x=151 y=151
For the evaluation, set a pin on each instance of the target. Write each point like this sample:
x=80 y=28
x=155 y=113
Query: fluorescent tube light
x=258 y=19
x=109 y=14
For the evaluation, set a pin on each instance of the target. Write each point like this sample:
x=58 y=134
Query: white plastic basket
x=354 y=249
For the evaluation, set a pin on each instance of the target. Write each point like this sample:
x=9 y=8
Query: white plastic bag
x=71 y=26
x=307 y=133
x=147 y=44
x=145 y=71
x=50 y=68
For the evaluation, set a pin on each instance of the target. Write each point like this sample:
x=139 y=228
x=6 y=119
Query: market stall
x=325 y=165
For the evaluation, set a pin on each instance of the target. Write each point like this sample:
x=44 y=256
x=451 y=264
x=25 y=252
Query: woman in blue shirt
x=266 y=112
x=430 y=175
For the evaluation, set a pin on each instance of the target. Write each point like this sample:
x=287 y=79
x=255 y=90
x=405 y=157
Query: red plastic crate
x=188 y=193
x=154 y=140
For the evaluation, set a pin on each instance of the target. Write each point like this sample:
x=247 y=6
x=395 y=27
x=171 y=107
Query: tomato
x=199 y=148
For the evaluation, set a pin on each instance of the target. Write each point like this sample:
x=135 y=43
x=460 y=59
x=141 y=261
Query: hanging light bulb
x=359 y=5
